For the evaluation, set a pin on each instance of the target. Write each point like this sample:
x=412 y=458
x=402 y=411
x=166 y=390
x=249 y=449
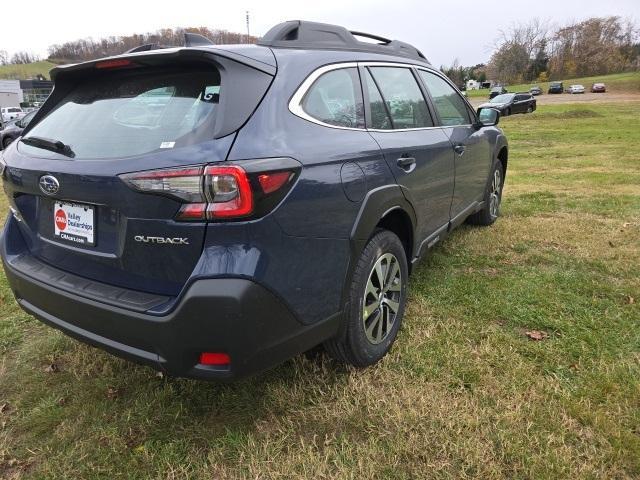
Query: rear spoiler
x=245 y=79
x=152 y=56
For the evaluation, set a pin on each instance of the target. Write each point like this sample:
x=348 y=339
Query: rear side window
x=128 y=114
x=379 y=115
x=335 y=98
x=402 y=97
x=451 y=108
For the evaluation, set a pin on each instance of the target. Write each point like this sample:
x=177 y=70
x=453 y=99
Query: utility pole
x=248 y=32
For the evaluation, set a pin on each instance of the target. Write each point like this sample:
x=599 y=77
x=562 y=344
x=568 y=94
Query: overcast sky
x=443 y=30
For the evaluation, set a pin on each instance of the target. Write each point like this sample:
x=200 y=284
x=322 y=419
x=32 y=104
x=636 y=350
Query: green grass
x=617 y=83
x=30 y=70
x=464 y=392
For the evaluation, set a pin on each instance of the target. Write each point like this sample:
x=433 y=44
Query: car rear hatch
x=69 y=179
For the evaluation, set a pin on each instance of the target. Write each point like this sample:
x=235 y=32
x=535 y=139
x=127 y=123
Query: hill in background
x=25 y=71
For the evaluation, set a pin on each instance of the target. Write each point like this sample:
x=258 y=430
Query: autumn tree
x=89 y=49
x=595 y=46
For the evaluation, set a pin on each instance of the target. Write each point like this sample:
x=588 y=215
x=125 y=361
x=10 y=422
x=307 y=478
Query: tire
x=508 y=112
x=530 y=109
x=492 y=198
x=367 y=335
x=6 y=142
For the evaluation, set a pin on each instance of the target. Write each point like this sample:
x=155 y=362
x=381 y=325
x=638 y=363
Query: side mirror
x=488 y=116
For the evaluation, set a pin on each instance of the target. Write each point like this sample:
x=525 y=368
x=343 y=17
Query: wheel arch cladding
x=385 y=207
x=399 y=222
x=503 y=156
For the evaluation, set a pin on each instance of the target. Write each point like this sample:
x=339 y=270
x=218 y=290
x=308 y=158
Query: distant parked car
x=14 y=129
x=497 y=91
x=598 y=88
x=509 y=103
x=556 y=87
x=535 y=90
x=576 y=89
x=11 y=113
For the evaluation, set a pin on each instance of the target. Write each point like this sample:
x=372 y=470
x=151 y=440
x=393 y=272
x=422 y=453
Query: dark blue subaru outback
x=212 y=211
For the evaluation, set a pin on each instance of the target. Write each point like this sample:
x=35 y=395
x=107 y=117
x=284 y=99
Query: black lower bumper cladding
x=232 y=315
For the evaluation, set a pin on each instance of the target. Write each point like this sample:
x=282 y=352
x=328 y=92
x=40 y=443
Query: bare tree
x=517 y=49
x=4 y=57
x=20 y=58
x=88 y=48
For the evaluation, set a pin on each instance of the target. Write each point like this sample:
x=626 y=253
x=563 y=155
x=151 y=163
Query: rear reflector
x=214 y=358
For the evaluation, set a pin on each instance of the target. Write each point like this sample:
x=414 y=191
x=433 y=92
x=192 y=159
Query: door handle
x=406 y=163
x=459 y=149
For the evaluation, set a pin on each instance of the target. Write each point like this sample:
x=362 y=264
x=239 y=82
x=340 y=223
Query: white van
x=11 y=113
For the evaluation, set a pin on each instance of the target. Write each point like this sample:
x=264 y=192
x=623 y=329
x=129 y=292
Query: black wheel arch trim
x=377 y=203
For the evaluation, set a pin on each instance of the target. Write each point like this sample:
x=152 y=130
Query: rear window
x=128 y=114
x=336 y=99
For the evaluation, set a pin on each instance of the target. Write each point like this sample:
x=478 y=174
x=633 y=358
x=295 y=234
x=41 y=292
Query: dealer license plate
x=74 y=222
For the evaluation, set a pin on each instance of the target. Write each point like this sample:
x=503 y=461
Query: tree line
x=534 y=51
x=89 y=49
x=18 y=58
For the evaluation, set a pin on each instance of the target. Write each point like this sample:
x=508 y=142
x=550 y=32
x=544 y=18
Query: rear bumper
x=232 y=315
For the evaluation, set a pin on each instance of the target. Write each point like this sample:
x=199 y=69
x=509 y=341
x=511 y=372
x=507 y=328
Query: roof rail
x=323 y=36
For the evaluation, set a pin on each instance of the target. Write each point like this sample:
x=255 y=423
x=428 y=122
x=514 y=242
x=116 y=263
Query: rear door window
x=380 y=119
x=451 y=108
x=335 y=98
x=129 y=114
x=402 y=96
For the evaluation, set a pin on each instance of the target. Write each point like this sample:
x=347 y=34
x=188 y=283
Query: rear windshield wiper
x=48 y=144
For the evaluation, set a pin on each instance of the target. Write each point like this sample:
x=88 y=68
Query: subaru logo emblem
x=49 y=184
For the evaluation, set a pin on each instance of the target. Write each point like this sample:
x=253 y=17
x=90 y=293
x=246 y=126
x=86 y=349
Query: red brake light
x=114 y=63
x=214 y=358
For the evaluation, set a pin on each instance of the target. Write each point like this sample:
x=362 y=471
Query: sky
x=443 y=30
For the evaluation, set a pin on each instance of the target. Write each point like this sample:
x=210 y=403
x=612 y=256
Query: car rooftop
x=290 y=35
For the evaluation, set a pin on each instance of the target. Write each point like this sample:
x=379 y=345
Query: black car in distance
x=510 y=103
x=556 y=87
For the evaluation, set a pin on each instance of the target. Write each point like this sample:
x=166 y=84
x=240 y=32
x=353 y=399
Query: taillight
x=220 y=191
x=228 y=192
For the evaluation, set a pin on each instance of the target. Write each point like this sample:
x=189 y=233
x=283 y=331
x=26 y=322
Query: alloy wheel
x=494 y=195
x=382 y=296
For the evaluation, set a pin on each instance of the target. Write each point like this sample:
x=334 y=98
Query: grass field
x=22 y=72
x=617 y=83
x=465 y=393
